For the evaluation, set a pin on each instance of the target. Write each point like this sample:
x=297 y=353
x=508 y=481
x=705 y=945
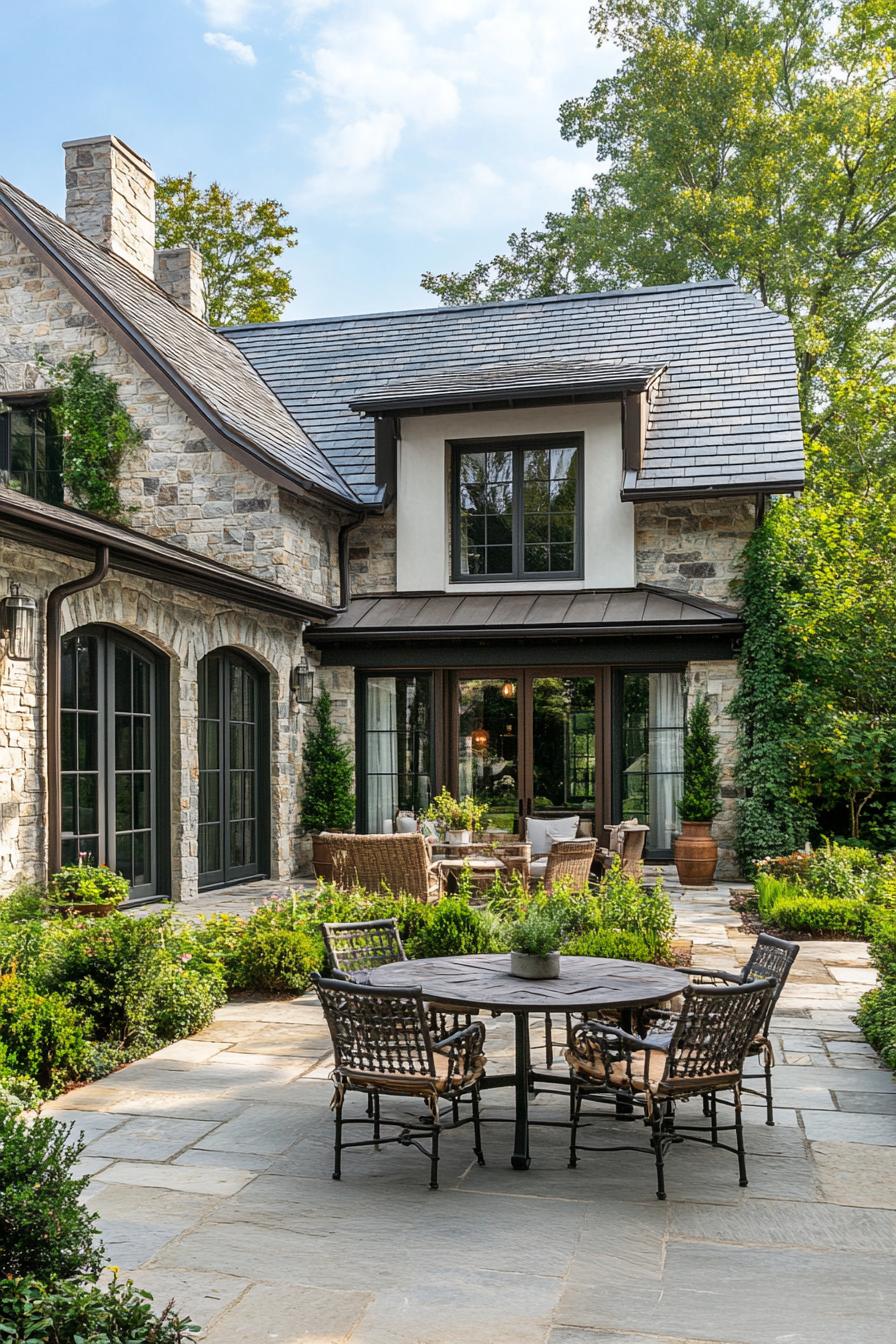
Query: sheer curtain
x=382 y=752
x=665 y=743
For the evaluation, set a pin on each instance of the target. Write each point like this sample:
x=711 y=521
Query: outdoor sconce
x=508 y=690
x=301 y=683
x=479 y=739
x=18 y=619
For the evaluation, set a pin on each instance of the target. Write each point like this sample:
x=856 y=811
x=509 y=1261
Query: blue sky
x=403 y=135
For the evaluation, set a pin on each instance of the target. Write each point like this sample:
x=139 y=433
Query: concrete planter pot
x=696 y=854
x=459 y=837
x=528 y=966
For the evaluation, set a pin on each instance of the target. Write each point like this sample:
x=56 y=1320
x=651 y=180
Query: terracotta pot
x=322 y=853
x=696 y=854
x=528 y=966
x=84 y=909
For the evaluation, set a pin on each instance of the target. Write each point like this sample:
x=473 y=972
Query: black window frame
x=617 y=746
x=109 y=639
x=54 y=477
x=361 y=733
x=517 y=445
x=229 y=874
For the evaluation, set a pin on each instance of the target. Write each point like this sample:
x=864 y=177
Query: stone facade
x=178 y=270
x=694 y=546
x=110 y=197
x=184 y=627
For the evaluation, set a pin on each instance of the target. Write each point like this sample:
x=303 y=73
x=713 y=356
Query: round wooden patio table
x=485 y=982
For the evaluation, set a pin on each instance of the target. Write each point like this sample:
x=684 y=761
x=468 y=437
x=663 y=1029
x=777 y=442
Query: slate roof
x=523 y=380
x=215 y=375
x=724 y=415
x=592 y=611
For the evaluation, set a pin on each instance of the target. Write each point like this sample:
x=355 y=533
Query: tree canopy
x=239 y=241
x=738 y=138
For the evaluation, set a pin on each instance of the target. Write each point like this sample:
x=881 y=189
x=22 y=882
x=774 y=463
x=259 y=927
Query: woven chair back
x=771 y=959
x=361 y=946
x=570 y=861
x=399 y=862
x=376 y=1031
x=715 y=1027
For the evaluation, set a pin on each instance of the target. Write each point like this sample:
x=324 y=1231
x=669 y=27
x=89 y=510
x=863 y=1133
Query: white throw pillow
x=541 y=832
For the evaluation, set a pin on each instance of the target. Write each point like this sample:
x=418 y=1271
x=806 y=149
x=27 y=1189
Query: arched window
x=234 y=769
x=114 y=791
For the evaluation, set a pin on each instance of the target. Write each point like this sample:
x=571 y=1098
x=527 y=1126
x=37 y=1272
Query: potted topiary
x=328 y=800
x=695 y=851
x=533 y=946
x=80 y=889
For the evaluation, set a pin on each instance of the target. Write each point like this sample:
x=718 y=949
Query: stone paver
x=210 y=1169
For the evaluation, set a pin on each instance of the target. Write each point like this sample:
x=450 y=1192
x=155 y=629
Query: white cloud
x=228 y=13
x=240 y=51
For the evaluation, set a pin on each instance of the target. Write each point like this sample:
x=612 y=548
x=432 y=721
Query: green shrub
x=701 y=798
x=279 y=960
x=217 y=942
x=786 y=905
x=18 y=1092
x=883 y=945
x=613 y=943
x=181 y=1000
x=629 y=907
x=79 y=1313
x=94 y=886
x=877 y=1019
x=44 y=1228
x=24 y=902
x=455 y=929
x=40 y=1035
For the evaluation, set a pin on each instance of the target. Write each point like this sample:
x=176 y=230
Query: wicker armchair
x=567 y=861
x=626 y=843
x=704 y=1057
x=383 y=1047
x=770 y=959
x=399 y=862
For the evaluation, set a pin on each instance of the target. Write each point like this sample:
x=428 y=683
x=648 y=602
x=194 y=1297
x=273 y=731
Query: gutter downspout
x=53 y=623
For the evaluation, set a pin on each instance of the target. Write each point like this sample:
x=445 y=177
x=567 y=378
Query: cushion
x=593 y=1067
x=541 y=832
x=538 y=867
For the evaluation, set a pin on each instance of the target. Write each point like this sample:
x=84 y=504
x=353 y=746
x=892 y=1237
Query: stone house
x=505 y=536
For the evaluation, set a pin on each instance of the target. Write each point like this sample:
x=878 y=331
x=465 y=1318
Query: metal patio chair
x=705 y=1056
x=383 y=1047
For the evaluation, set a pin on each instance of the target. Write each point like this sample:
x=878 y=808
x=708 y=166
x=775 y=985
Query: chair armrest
x=710 y=976
x=611 y=1046
x=462 y=1048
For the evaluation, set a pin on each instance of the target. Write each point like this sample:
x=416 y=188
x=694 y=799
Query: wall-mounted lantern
x=508 y=690
x=18 y=622
x=301 y=683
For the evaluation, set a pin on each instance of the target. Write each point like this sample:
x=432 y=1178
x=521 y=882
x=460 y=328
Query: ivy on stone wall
x=771 y=817
x=97 y=434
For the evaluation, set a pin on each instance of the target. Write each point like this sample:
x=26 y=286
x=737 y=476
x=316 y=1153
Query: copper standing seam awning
x=405 y=624
x=52 y=527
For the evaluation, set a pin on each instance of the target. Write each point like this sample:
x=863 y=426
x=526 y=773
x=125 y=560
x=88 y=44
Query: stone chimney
x=178 y=270
x=110 y=197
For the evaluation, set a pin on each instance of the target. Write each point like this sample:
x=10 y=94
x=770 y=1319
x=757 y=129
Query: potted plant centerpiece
x=328 y=800
x=695 y=851
x=83 y=890
x=533 y=946
x=456 y=820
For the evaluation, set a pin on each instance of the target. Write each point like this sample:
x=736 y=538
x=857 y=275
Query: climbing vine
x=97 y=434
x=772 y=817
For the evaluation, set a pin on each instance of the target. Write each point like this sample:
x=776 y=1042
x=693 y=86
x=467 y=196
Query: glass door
x=527 y=744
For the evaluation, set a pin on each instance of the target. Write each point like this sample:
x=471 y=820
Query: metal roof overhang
x=50 y=527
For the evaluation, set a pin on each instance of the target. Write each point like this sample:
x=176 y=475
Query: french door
x=233 y=774
x=113 y=720
x=532 y=743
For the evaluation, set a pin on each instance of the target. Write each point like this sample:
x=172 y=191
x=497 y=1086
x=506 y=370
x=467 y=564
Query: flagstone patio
x=211 y=1160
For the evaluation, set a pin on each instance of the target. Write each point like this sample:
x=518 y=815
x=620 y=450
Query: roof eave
x=745 y=489
x=187 y=397
x=324 y=635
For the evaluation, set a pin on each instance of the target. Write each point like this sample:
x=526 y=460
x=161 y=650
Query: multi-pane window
x=232 y=758
x=652 y=744
x=111 y=709
x=397 y=745
x=31 y=452
x=517 y=509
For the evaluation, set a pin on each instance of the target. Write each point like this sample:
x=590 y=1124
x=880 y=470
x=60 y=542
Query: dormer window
x=31 y=449
x=517 y=509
